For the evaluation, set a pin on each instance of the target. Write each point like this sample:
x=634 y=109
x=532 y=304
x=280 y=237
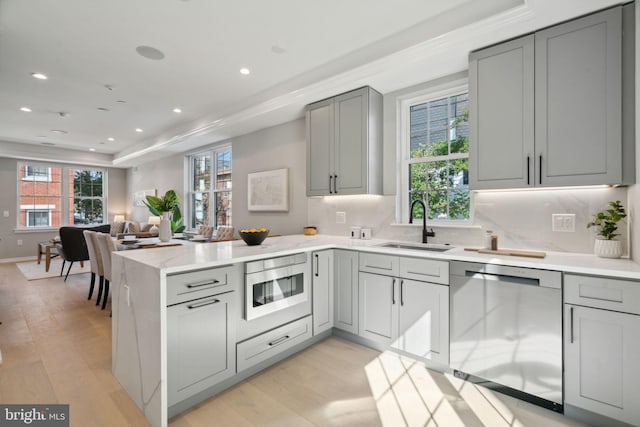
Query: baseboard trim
x=21 y=259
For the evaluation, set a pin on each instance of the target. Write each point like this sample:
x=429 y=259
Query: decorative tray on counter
x=509 y=252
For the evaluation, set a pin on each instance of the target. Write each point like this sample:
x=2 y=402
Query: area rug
x=33 y=271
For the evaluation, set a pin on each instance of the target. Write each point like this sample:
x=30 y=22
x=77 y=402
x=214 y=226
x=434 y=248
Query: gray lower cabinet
x=344 y=144
x=601 y=346
x=378 y=308
x=423 y=324
x=322 y=285
x=406 y=314
x=345 y=284
x=200 y=345
x=539 y=102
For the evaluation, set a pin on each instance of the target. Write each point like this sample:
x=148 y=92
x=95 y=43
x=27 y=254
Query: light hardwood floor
x=56 y=348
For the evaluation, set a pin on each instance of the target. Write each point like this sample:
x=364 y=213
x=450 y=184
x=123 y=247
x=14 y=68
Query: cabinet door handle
x=393 y=291
x=402 y=292
x=571 y=323
x=279 y=340
x=317 y=264
x=203 y=304
x=528 y=170
x=335 y=184
x=330 y=178
x=199 y=284
x=540 y=166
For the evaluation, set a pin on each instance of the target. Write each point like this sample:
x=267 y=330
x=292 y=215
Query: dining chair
x=72 y=247
x=95 y=258
x=224 y=232
x=106 y=246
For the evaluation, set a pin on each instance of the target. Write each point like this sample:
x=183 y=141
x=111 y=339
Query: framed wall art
x=268 y=191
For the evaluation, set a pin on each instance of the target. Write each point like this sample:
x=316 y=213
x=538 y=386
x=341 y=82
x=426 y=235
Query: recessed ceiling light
x=138 y=130
x=244 y=71
x=177 y=110
x=150 y=52
x=92 y=149
x=111 y=139
x=59 y=131
x=25 y=109
x=39 y=76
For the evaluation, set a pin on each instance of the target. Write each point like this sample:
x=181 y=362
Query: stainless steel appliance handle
x=198 y=284
x=203 y=304
x=393 y=291
x=317 y=264
x=279 y=340
x=503 y=278
x=401 y=292
x=571 y=323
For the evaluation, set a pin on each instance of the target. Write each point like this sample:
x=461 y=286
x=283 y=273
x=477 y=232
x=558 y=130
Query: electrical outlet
x=19 y=242
x=565 y=223
x=341 y=217
x=5 y=214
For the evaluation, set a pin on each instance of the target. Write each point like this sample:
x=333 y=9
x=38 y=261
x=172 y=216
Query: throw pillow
x=116 y=228
x=134 y=227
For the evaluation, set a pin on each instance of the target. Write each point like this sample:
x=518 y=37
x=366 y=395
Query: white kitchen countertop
x=192 y=256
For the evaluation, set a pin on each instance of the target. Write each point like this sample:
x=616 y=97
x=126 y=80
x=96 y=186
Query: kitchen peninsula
x=145 y=284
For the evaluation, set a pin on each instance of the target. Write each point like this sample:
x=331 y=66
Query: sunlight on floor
x=406 y=393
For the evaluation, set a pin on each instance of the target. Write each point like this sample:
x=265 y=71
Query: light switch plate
x=5 y=214
x=341 y=217
x=564 y=223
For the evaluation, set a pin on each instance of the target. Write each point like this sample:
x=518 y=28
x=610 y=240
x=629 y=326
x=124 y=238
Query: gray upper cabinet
x=546 y=109
x=344 y=144
x=501 y=115
x=578 y=101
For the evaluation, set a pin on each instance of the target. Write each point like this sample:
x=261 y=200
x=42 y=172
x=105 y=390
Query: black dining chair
x=72 y=247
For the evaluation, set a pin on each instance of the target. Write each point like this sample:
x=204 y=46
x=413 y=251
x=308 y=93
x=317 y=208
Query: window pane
x=223 y=208
x=459 y=205
x=418 y=178
x=438 y=113
x=200 y=211
x=438 y=175
x=201 y=173
x=438 y=204
x=40 y=196
x=438 y=145
x=87 y=211
x=459 y=174
x=223 y=170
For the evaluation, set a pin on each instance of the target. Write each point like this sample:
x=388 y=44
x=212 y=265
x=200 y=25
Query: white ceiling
x=298 y=51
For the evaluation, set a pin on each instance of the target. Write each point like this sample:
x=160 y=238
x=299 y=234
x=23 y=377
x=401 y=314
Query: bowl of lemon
x=253 y=236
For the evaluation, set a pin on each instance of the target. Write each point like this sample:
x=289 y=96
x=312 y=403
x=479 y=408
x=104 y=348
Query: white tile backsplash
x=521 y=219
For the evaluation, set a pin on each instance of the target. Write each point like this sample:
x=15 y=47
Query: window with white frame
x=53 y=196
x=210 y=188
x=435 y=155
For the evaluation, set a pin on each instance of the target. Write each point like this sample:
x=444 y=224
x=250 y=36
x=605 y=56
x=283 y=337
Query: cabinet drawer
x=603 y=292
x=425 y=270
x=199 y=284
x=379 y=264
x=262 y=347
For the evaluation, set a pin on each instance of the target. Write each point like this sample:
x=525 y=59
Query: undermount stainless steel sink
x=429 y=247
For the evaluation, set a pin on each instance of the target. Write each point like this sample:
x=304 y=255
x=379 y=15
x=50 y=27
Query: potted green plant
x=168 y=208
x=606 y=222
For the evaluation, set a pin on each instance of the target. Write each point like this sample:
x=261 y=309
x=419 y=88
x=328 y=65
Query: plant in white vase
x=168 y=208
x=606 y=222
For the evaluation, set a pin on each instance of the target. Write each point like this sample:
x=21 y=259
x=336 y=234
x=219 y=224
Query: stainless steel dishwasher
x=506 y=330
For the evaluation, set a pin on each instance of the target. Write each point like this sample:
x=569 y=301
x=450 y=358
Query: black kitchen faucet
x=425 y=233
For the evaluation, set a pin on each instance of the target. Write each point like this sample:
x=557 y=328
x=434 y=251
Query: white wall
x=277 y=147
x=160 y=175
